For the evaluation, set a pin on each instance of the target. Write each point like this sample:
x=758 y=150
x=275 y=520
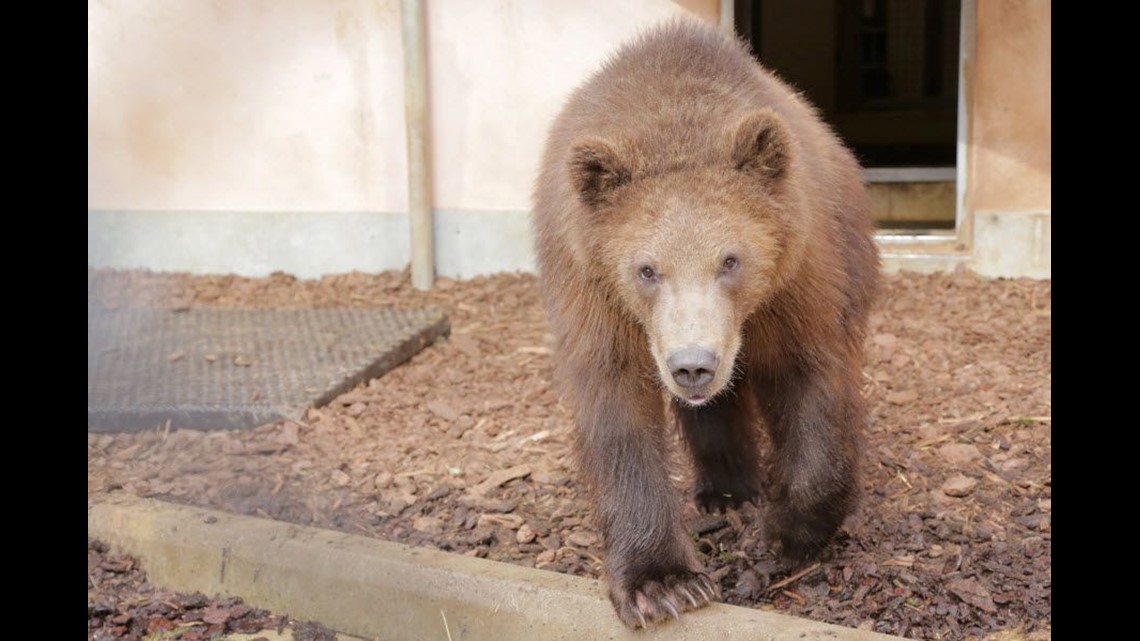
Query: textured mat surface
x=229 y=368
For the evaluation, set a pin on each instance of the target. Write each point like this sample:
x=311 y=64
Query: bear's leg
x=814 y=419
x=650 y=566
x=722 y=439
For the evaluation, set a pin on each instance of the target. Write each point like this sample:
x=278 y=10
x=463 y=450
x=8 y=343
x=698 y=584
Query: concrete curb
x=383 y=590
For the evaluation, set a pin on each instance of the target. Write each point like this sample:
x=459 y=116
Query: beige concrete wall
x=1011 y=111
x=263 y=105
x=249 y=136
x=297 y=105
x=500 y=71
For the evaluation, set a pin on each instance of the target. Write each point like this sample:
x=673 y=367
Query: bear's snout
x=693 y=367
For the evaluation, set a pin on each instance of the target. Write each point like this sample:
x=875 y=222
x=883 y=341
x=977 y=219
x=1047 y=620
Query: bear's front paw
x=651 y=601
x=719 y=500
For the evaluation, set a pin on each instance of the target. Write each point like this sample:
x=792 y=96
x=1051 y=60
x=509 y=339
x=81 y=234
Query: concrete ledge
x=378 y=589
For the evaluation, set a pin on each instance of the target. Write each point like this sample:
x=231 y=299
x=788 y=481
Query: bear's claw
x=653 y=601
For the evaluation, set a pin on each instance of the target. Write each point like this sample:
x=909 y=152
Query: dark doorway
x=884 y=73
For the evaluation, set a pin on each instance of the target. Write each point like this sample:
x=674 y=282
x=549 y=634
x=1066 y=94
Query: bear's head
x=692 y=244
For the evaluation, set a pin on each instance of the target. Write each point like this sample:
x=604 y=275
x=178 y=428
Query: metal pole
x=728 y=16
x=419 y=143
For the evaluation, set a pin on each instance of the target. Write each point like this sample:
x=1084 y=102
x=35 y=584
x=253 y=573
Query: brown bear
x=698 y=228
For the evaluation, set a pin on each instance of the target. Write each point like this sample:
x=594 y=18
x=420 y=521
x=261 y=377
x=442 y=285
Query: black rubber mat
x=232 y=368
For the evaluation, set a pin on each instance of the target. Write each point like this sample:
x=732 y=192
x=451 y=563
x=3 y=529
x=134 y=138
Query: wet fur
x=686 y=111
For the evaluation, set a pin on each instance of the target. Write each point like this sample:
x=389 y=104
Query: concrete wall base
x=1013 y=244
x=468 y=243
x=304 y=244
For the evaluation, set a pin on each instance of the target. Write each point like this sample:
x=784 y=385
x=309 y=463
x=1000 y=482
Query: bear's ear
x=596 y=169
x=762 y=145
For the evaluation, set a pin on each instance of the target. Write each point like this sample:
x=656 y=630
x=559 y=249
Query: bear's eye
x=647 y=274
x=730 y=263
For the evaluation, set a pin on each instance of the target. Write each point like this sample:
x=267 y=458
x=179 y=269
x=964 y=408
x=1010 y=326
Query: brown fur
x=689 y=198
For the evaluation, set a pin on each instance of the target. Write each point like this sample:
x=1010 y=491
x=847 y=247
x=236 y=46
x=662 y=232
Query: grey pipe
x=728 y=16
x=416 y=115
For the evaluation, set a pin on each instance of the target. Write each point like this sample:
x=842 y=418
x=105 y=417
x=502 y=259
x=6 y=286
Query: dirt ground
x=466 y=448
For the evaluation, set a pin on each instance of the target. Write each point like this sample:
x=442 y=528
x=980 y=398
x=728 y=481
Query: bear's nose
x=692 y=366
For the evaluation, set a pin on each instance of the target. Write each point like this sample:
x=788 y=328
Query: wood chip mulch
x=466 y=448
x=122 y=604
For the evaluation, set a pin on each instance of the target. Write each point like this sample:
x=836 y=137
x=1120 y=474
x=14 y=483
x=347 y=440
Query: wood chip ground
x=466 y=448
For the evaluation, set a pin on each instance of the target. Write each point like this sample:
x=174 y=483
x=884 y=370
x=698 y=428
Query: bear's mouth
x=695 y=400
